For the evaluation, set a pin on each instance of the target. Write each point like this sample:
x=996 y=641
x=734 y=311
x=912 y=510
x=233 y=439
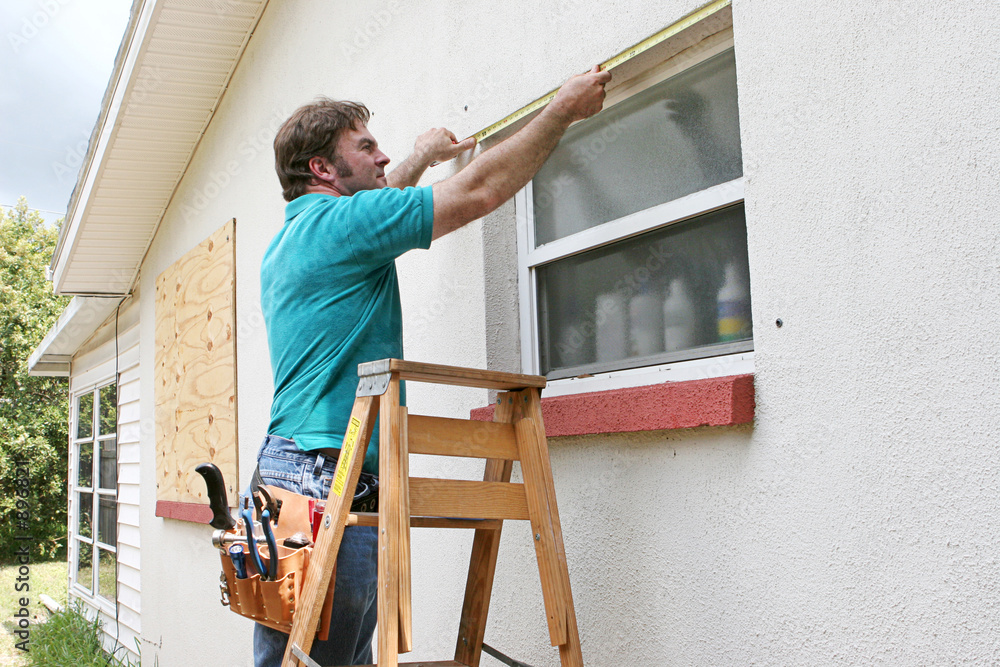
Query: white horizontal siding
x=127 y=493
x=128 y=514
x=128 y=476
x=129 y=556
x=123 y=643
x=129 y=597
x=131 y=452
x=128 y=536
x=129 y=412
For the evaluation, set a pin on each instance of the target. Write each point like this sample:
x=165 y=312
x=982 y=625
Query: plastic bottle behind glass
x=734 y=306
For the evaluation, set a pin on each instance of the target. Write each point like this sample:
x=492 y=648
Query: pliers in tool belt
x=272 y=545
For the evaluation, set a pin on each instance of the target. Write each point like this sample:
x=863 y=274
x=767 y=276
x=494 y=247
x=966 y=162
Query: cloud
x=56 y=57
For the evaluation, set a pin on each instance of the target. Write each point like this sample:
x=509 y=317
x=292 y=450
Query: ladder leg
x=389 y=526
x=405 y=603
x=482 y=564
x=331 y=532
x=549 y=549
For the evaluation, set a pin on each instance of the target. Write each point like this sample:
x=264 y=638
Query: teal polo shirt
x=330 y=299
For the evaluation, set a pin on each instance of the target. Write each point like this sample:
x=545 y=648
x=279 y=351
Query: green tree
x=33 y=410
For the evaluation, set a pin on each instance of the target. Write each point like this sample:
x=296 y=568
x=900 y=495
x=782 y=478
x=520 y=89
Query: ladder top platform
x=453 y=375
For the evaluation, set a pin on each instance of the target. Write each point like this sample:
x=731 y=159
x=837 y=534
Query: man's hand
x=440 y=145
x=581 y=96
x=432 y=147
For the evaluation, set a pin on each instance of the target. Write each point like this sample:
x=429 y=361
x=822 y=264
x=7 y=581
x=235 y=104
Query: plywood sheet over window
x=195 y=387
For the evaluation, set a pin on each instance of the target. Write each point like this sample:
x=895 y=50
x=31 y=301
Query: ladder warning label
x=346 y=456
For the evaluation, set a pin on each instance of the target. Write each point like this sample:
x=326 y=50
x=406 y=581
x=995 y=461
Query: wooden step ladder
x=516 y=434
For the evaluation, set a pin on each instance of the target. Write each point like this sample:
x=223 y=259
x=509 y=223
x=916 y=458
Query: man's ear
x=322 y=169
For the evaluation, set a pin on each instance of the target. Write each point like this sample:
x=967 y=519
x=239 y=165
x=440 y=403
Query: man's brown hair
x=312 y=131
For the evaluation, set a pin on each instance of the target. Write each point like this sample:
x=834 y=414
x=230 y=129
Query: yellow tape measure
x=346 y=456
x=611 y=63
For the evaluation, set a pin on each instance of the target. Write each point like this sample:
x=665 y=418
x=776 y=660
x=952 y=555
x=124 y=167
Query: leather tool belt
x=272 y=602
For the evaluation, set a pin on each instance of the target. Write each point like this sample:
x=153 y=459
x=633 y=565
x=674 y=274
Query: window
x=94 y=525
x=633 y=253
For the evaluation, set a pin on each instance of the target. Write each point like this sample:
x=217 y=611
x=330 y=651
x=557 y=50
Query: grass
x=50 y=578
x=70 y=639
x=65 y=639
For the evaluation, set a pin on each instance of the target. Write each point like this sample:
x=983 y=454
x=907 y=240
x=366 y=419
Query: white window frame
x=92 y=595
x=699 y=203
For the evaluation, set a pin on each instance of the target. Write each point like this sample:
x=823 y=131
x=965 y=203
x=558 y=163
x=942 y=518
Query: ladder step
x=442 y=663
x=453 y=375
x=442 y=436
x=371 y=519
x=472 y=500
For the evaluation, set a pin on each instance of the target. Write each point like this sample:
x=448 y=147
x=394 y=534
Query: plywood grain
x=195 y=379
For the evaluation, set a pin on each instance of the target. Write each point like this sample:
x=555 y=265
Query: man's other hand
x=582 y=95
x=440 y=145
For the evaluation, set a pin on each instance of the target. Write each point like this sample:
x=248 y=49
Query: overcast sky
x=55 y=61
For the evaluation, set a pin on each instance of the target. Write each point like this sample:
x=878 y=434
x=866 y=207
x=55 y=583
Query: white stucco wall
x=855 y=522
x=869 y=133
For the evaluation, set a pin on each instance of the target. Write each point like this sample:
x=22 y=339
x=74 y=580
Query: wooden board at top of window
x=195 y=373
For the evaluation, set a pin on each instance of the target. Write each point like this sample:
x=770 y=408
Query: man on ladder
x=330 y=299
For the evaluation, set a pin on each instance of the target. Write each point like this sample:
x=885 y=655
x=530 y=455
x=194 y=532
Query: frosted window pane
x=675 y=138
x=676 y=293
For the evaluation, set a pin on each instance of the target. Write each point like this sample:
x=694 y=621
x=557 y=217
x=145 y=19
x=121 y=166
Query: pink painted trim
x=714 y=402
x=194 y=512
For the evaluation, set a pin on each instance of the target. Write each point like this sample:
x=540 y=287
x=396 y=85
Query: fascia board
x=76 y=324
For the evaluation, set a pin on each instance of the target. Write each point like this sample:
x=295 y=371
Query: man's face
x=360 y=165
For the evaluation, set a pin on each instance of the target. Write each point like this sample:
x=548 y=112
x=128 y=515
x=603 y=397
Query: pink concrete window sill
x=724 y=401
x=194 y=512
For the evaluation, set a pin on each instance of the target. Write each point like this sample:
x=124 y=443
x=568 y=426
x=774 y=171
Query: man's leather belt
x=365 y=493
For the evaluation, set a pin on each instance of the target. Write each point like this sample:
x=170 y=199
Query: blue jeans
x=355 y=610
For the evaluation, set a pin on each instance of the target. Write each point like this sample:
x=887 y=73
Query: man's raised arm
x=497 y=174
